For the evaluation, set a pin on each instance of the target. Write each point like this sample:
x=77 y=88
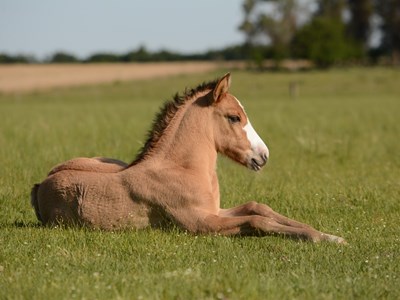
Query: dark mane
x=165 y=115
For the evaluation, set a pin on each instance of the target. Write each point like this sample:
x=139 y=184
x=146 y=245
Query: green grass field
x=334 y=163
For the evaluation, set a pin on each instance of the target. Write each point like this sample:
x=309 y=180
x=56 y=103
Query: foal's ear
x=222 y=87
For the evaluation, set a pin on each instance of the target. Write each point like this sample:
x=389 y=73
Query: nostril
x=264 y=157
x=259 y=163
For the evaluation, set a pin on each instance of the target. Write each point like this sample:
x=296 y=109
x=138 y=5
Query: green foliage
x=16 y=59
x=324 y=42
x=334 y=164
x=390 y=27
x=102 y=58
x=144 y=55
x=359 y=26
x=234 y=52
x=332 y=9
x=276 y=25
x=62 y=57
x=327 y=36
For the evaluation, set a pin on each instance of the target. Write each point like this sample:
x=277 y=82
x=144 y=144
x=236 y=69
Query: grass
x=335 y=164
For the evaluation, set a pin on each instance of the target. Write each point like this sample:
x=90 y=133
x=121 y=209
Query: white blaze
x=257 y=144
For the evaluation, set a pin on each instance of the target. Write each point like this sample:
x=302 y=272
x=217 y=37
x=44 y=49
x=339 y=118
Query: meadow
x=334 y=163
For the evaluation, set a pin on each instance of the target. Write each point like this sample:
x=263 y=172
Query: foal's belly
x=97 y=201
x=113 y=213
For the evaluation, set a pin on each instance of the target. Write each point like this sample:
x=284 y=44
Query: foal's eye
x=233 y=119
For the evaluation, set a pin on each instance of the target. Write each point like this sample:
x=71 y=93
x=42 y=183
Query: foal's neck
x=191 y=144
x=188 y=140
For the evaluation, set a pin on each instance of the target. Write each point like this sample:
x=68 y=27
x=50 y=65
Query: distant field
x=25 y=78
x=334 y=163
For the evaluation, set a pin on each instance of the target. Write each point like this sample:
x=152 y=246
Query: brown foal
x=173 y=179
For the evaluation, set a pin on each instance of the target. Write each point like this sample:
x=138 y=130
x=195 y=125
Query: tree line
x=325 y=32
x=139 y=55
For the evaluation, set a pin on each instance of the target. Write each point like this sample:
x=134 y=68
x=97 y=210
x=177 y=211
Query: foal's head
x=233 y=134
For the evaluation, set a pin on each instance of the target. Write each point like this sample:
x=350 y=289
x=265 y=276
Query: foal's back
x=94 y=164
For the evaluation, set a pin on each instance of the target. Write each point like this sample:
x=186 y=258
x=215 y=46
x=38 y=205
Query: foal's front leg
x=203 y=222
x=254 y=208
x=255 y=224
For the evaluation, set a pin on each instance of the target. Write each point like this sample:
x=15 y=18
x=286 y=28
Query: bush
x=103 y=58
x=16 y=59
x=324 y=42
x=62 y=57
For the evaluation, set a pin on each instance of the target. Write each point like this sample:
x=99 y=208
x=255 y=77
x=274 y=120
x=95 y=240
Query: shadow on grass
x=20 y=224
x=171 y=230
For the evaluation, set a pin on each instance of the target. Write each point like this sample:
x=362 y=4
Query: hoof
x=334 y=239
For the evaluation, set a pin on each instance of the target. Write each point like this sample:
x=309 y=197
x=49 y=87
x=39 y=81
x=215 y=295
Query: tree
x=249 y=28
x=359 y=25
x=389 y=11
x=62 y=57
x=16 y=59
x=331 y=9
x=103 y=58
x=280 y=26
x=139 y=55
x=247 y=25
x=274 y=26
x=354 y=31
x=323 y=41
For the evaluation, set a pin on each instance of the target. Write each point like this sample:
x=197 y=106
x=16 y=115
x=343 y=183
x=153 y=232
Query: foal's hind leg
x=254 y=208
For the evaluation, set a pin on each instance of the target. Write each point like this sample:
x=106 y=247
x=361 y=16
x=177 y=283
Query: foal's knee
x=255 y=208
x=251 y=207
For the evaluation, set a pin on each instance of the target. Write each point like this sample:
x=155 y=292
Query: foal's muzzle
x=256 y=162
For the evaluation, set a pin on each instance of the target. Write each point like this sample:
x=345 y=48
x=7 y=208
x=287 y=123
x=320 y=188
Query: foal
x=173 y=179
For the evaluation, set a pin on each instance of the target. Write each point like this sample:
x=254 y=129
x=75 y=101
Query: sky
x=84 y=27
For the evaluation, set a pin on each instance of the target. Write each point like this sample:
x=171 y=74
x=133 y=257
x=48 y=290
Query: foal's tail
x=34 y=201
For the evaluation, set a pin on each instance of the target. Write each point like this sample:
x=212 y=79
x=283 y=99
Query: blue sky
x=82 y=27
